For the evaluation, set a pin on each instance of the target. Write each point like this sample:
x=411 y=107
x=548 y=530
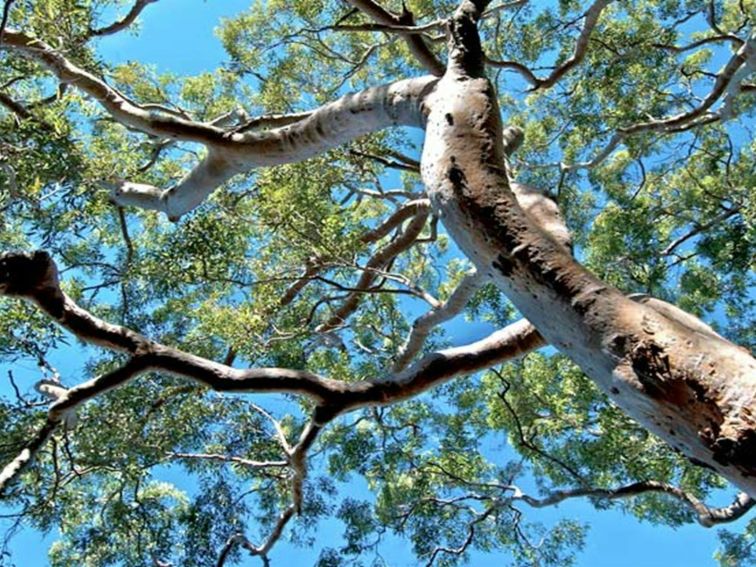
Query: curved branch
x=379 y=260
x=16 y=107
x=63 y=407
x=4 y=18
x=705 y=515
x=581 y=48
x=726 y=86
x=745 y=56
x=335 y=123
x=117 y=104
x=34 y=277
x=229 y=153
x=408 y=210
x=124 y=22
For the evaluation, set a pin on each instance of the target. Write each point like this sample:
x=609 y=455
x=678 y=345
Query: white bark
x=341 y=121
x=696 y=391
x=424 y=324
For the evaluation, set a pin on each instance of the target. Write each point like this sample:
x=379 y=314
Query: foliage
x=668 y=214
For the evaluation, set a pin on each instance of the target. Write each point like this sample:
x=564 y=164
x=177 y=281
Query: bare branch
x=124 y=22
x=408 y=210
x=62 y=407
x=745 y=56
x=312 y=268
x=228 y=459
x=117 y=104
x=523 y=70
x=382 y=257
x=398 y=164
x=581 y=47
x=16 y=107
x=4 y=20
x=335 y=123
x=705 y=516
x=424 y=324
x=405 y=30
x=272 y=121
x=416 y=45
x=727 y=85
x=232 y=152
x=34 y=277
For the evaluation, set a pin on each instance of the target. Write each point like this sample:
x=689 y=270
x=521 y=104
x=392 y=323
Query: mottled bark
x=695 y=390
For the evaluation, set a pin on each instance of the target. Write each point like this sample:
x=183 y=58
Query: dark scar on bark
x=740 y=452
x=504 y=265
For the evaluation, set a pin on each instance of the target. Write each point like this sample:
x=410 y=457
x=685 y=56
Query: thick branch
x=694 y=390
x=229 y=153
x=34 y=277
x=333 y=124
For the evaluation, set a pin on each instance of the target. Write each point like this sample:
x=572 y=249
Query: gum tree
x=261 y=260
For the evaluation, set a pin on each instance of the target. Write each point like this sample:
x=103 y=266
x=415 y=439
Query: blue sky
x=177 y=35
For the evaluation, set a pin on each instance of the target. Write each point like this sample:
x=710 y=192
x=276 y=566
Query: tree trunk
x=694 y=390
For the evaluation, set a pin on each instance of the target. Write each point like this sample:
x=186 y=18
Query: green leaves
x=159 y=470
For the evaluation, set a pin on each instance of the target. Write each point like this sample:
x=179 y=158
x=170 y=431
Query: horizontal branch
x=705 y=516
x=228 y=459
x=333 y=124
x=297 y=137
x=34 y=277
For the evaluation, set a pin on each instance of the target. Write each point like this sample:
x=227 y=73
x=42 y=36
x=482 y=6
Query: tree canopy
x=294 y=288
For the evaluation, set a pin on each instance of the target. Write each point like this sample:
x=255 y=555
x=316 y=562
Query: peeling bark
x=694 y=390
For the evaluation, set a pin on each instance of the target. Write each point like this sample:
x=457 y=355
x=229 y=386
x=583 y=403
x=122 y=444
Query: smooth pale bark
x=424 y=324
x=232 y=151
x=694 y=390
x=331 y=125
